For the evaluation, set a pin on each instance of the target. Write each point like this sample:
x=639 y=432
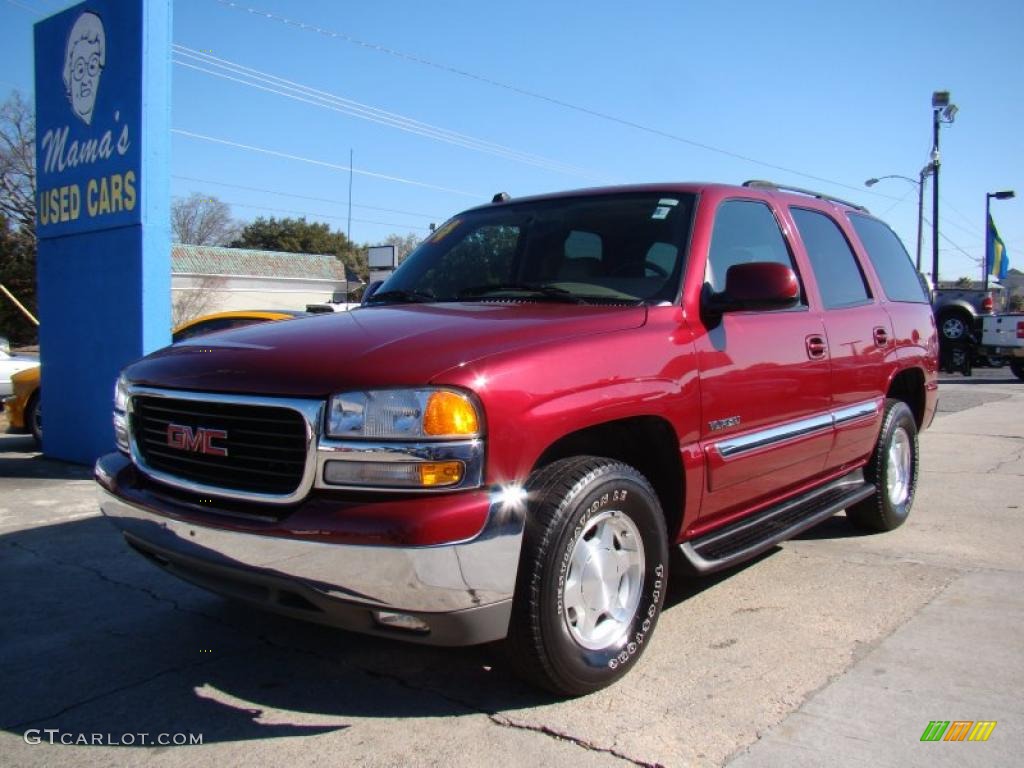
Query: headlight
x=121 y=414
x=402 y=414
x=121 y=394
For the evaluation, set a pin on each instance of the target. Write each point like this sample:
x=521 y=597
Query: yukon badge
x=720 y=424
x=198 y=440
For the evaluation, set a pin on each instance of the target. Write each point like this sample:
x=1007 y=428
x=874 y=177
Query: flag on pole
x=995 y=252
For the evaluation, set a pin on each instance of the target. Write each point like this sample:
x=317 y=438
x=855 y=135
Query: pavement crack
x=506 y=722
x=1016 y=457
x=105 y=578
x=104 y=694
x=497 y=718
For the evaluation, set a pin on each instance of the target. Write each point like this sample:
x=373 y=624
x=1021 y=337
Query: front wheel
x=1017 y=366
x=34 y=418
x=592 y=575
x=893 y=469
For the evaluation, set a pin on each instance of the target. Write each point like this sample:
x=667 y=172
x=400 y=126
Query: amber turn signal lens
x=440 y=473
x=449 y=414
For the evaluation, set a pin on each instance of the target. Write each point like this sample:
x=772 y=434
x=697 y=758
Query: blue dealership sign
x=102 y=209
x=89 y=121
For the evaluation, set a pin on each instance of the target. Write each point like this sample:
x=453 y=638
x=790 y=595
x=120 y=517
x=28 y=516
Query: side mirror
x=370 y=290
x=756 y=286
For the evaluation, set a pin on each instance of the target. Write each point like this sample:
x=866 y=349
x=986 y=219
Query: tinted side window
x=835 y=267
x=745 y=231
x=900 y=281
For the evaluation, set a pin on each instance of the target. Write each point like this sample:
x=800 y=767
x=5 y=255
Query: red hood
x=378 y=346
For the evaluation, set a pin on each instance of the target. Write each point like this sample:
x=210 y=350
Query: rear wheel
x=893 y=470
x=592 y=575
x=1017 y=366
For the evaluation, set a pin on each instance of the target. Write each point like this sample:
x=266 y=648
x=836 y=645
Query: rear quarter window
x=900 y=280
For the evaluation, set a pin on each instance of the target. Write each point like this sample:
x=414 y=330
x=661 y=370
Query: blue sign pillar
x=102 y=72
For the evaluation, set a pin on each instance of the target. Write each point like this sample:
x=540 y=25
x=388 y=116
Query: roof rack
x=759 y=184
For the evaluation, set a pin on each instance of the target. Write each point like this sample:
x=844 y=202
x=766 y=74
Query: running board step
x=753 y=535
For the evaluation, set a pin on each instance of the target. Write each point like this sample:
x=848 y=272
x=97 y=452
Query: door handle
x=816 y=347
x=881 y=337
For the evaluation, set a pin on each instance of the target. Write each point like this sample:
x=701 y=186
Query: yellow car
x=221 y=321
x=22 y=407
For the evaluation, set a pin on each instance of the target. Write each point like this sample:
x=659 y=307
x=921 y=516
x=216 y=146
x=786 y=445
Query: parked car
x=960 y=310
x=222 y=321
x=10 y=365
x=543 y=399
x=24 y=406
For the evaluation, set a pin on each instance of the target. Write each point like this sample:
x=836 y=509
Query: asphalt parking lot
x=836 y=648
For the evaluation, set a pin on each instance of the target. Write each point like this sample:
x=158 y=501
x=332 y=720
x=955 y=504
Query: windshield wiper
x=533 y=289
x=401 y=295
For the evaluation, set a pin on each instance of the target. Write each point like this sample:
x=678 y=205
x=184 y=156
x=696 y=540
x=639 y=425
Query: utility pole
x=942 y=112
x=920 y=210
x=348 y=230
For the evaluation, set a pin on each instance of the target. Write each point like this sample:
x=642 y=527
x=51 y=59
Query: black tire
x=34 y=418
x=1017 y=366
x=889 y=506
x=569 y=501
x=955 y=326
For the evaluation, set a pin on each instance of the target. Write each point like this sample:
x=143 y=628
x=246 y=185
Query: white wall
x=233 y=292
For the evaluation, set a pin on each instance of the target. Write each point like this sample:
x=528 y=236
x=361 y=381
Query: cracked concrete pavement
x=759 y=666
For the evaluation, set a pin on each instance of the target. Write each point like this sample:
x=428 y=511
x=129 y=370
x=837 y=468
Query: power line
x=949 y=205
x=435 y=217
x=539 y=96
x=271 y=83
x=324 y=163
x=24 y=7
x=324 y=215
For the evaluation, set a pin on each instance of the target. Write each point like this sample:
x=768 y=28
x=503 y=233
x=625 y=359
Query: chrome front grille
x=258 y=449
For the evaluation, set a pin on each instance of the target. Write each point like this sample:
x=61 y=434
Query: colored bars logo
x=958 y=730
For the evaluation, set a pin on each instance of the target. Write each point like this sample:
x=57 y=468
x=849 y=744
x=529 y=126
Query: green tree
x=301 y=236
x=964 y=282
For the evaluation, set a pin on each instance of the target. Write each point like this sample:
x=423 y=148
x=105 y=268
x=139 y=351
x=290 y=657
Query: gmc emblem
x=198 y=440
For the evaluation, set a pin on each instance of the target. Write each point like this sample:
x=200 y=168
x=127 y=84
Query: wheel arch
x=954 y=307
x=649 y=444
x=908 y=386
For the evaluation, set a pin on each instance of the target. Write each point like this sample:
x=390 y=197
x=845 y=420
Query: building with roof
x=208 y=279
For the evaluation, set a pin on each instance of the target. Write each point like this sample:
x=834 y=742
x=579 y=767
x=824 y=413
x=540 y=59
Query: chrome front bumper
x=462 y=591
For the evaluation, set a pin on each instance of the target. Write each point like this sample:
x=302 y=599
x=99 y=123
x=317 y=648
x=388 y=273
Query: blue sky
x=829 y=90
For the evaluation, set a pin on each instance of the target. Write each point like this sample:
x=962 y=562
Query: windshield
x=624 y=248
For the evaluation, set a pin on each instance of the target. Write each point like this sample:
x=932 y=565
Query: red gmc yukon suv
x=507 y=438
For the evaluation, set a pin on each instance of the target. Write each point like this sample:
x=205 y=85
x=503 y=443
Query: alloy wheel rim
x=900 y=467
x=602 y=586
x=953 y=328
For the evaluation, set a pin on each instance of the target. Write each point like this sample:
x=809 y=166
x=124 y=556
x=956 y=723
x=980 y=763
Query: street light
x=942 y=112
x=1006 y=194
x=920 y=201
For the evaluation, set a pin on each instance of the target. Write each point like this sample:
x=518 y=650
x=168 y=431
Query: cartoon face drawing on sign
x=84 y=58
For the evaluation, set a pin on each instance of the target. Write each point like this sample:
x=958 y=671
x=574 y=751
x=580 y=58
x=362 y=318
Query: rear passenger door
x=858 y=331
x=764 y=376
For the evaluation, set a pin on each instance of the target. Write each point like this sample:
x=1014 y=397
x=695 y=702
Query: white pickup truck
x=1003 y=336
